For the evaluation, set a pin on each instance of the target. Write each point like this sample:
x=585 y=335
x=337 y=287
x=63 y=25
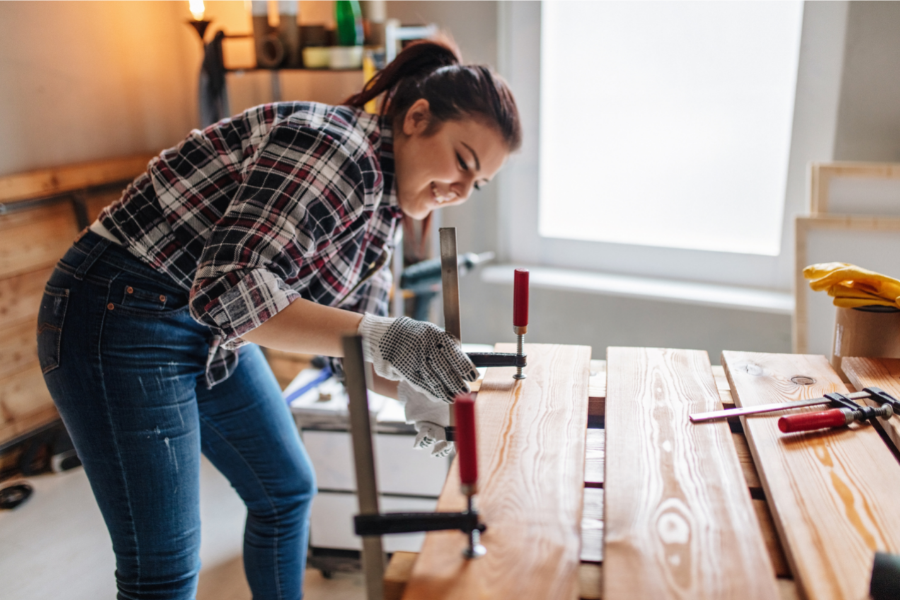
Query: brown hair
x=432 y=69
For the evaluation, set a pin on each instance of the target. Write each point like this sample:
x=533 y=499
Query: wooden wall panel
x=20 y=296
x=49 y=182
x=18 y=347
x=832 y=493
x=25 y=403
x=679 y=521
x=29 y=242
x=531 y=465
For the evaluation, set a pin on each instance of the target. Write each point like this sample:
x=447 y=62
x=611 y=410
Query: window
x=670 y=231
x=667 y=123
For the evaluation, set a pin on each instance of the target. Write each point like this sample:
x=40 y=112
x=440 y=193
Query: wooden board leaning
x=832 y=493
x=531 y=438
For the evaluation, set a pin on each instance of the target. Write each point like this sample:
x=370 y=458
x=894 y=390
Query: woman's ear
x=418 y=118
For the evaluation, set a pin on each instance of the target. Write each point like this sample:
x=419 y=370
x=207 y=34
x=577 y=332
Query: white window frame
x=813 y=138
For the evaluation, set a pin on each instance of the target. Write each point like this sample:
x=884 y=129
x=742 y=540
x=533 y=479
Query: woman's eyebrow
x=475 y=156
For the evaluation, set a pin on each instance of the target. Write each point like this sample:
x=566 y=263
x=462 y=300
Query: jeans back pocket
x=50 y=324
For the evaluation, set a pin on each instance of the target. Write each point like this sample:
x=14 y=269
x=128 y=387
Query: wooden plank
x=18 y=347
x=597 y=389
x=48 y=182
x=832 y=493
x=877 y=372
x=746 y=460
x=679 y=522
x=531 y=450
x=397 y=574
x=95 y=201
x=593 y=458
x=787 y=590
x=25 y=403
x=592 y=526
x=20 y=296
x=36 y=242
x=770 y=537
x=590 y=581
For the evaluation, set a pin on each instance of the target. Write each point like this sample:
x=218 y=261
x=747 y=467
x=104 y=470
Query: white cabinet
x=400 y=468
x=332 y=522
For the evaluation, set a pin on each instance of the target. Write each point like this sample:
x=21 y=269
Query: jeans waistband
x=96 y=249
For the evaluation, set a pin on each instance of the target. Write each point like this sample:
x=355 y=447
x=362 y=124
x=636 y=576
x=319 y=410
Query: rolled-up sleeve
x=298 y=187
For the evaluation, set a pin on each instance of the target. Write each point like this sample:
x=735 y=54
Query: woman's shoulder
x=346 y=126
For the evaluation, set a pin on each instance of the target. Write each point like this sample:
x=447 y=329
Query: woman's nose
x=463 y=188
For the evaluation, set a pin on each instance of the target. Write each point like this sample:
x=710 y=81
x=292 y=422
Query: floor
x=56 y=546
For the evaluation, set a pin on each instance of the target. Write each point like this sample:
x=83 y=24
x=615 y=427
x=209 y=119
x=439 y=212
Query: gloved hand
x=853 y=286
x=433 y=436
x=423 y=354
x=430 y=418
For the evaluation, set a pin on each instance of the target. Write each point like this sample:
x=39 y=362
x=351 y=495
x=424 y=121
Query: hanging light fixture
x=199 y=23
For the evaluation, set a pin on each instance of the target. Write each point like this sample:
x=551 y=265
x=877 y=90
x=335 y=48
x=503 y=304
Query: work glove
x=430 y=418
x=421 y=353
x=431 y=435
x=853 y=286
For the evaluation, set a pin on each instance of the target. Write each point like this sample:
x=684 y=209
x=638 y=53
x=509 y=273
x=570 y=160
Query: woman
x=274 y=227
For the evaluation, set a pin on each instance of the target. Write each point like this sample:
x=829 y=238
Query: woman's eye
x=462 y=163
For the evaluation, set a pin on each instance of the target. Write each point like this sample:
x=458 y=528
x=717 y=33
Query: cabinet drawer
x=331 y=522
x=400 y=468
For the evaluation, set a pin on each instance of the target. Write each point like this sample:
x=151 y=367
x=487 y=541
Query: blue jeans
x=124 y=362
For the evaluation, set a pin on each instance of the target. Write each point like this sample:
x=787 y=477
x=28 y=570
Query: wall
x=560 y=316
x=869 y=115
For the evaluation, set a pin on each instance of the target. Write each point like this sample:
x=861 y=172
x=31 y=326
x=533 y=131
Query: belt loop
x=91 y=258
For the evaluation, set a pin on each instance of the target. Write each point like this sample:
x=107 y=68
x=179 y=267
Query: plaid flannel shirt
x=284 y=201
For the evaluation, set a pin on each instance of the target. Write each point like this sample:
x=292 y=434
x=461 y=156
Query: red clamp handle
x=466 y=446
x=812 y=421
x=520 y=299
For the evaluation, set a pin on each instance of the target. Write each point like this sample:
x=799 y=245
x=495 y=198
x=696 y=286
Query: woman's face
x=441 y=167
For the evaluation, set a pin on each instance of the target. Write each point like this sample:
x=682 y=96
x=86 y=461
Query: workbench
x=829 y=569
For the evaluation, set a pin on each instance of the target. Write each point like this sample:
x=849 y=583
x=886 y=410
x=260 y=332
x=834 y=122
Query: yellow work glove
x=853 y=286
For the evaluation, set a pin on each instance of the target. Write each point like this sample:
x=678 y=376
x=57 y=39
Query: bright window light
x=667 y=123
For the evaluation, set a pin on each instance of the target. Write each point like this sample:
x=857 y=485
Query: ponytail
x=432 y=69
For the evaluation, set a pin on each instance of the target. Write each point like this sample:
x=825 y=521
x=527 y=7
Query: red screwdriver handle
x=520 y=299
x=466 y=446
x=812 y=421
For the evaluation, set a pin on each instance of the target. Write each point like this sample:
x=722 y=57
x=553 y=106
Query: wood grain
x=20 y=296
x=594 y=456
x=397 y=574
x=25 y=403
x=36 y=242
x=832 y=493
x=18 y=347
x=590 y=581
x=48 y=182
x=592 y=526
x=748 y=468
x=877 y=372
x=531 y=464
x=679 y=521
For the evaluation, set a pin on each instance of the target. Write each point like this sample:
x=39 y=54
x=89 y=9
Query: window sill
x=645 y=288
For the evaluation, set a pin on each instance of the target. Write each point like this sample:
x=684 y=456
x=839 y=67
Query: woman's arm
x=311 y=328
x=306 y=327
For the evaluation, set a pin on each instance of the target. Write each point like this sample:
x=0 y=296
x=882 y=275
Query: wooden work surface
x=832 y=493
x=679 y=522
x=883 y=373
x=590 y=573
x=531 y=450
